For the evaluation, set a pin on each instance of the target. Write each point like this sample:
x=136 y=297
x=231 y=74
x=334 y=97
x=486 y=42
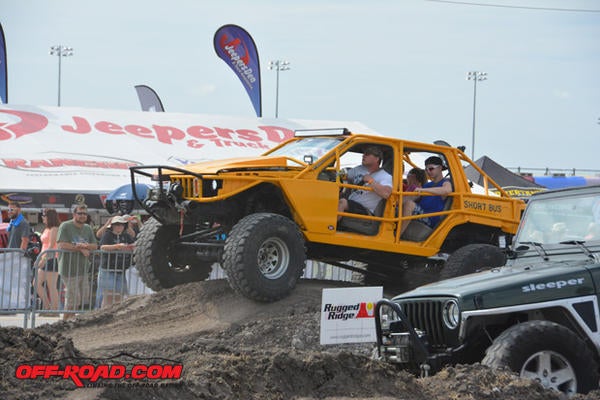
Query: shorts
x=426 y=220
x=112 y=281
x=355 y=207
x=51 y=265
x=77 y=292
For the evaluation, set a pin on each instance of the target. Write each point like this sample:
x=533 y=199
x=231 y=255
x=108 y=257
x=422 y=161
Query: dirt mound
x=232 y=348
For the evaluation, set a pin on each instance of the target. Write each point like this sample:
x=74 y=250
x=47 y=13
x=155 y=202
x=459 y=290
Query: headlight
x=451 y=314
x=387 y=315
x=176 y=190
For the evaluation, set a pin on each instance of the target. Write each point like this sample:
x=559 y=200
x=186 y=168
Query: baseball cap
x=118 y=219
x=374 y=150
x=435 y=160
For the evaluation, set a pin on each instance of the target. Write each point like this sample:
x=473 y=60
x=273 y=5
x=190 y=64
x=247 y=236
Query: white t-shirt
x=368 y=198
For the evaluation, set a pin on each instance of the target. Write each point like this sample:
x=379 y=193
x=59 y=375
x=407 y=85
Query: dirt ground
x=231 y=348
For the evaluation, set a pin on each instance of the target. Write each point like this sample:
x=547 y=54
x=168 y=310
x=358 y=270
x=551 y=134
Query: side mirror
x=309 y=159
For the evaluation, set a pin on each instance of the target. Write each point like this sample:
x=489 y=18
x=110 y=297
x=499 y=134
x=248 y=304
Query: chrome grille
x=426 y=315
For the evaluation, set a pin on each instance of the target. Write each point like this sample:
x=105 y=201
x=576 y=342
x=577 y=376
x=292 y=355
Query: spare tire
x=473 y=258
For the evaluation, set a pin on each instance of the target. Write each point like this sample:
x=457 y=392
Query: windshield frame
x=301 y=147
x=553 y=220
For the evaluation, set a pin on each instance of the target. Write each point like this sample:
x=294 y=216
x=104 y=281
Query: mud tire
x=264 y=256
x=546 y=352
x=472 y=258
x=159 y=264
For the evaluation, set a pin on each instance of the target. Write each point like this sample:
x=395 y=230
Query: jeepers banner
x=3 y=69
x=75 y=150
x=236 y=47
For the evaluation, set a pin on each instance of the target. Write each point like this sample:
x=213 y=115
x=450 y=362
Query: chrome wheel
x=273 y=258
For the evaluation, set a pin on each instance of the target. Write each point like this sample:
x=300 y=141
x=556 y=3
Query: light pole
x=475 y=76
x=60 y=51
x=278 y=65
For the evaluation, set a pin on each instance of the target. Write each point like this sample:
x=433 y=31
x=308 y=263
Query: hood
x=499 y=287
x=214 y=166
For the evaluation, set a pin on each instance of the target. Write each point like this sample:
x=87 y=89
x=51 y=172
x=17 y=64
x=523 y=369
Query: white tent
x=55 y=156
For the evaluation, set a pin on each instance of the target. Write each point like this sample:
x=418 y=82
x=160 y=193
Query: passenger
x=78 y=239
x=47 y=263
x=369 y=173
x=415 y=178
x=437 y=186
x=112 y=284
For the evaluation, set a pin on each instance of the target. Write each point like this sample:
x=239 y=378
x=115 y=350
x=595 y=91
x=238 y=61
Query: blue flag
x=236 y=47
x=3 y=69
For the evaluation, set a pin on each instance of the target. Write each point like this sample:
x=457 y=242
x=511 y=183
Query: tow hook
x=424 y=370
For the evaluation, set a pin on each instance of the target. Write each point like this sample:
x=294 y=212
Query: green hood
x=506 y=286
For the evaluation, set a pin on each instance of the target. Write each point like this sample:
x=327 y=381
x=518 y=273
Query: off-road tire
x=533 y=339
x=264 y=256
x=159 y=265
x=472 y=258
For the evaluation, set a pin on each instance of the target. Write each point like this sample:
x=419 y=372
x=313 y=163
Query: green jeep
x=538 y=315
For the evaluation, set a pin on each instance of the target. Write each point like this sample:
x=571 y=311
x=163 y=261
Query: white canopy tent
x=53 y=157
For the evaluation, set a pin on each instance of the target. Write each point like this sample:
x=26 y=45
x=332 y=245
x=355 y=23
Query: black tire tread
x=142 y=254
x=158 y=277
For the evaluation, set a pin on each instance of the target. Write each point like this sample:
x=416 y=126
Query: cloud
x=561 y=94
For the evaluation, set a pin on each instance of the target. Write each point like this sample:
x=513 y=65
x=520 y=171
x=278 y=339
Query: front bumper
x=398 y=342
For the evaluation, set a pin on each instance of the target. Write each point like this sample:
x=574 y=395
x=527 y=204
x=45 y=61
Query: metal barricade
x=15 y=275
x=313 y=270
x=67 y=282
x=64 y=282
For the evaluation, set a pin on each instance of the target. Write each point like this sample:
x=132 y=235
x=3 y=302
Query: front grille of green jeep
x=426 y=315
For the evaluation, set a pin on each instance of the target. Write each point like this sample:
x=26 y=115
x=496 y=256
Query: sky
x=398 y=67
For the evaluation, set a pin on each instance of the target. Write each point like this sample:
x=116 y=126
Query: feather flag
x=236 y=47
x=3 y=69
x=149 y=100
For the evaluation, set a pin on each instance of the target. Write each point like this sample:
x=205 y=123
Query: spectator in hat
x=112 y=284
x=437 y=186
x=133 y=226
x=368 y=174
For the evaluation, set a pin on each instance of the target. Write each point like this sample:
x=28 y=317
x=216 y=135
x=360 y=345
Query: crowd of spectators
x=69 y=269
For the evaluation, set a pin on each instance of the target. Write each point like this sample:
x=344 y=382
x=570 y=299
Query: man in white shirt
x=370 y=174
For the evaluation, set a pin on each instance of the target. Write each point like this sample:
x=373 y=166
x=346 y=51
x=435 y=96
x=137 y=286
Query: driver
x=369 y=173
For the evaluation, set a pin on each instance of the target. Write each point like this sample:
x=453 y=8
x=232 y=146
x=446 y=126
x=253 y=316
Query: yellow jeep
x=262 y=217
